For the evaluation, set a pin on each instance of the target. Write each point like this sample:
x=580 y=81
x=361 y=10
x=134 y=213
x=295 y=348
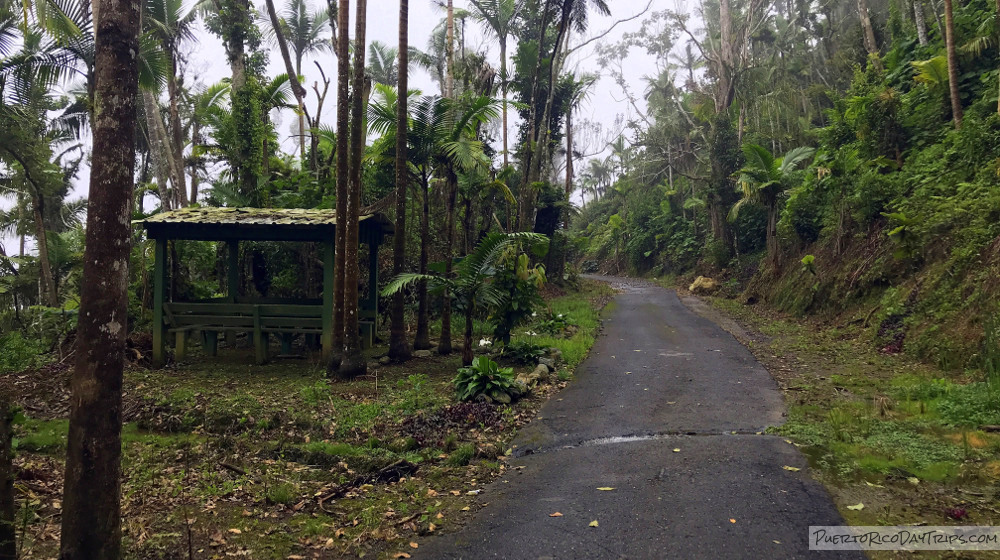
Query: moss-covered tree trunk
x=451 y=184
x=949 y=40
x=91 y=520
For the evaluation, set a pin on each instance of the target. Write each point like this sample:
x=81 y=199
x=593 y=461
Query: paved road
x=652 y=413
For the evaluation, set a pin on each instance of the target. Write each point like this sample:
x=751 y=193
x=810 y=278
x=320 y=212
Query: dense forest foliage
x=826 y=157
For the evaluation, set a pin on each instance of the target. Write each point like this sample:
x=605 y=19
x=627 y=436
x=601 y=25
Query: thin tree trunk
x=920 y=20
x=450 y=55
x=156 y=151
x=399 y=347
x=956 y=97
x=353 y=363
x=422 y=340
x=444 y=343
x=176 y=132
x=525 y=193
x=293 y=75
x=49 y=294
x=91 y=517
x=467 y=338
x=569 y=157
x=195 y=140
x=8 y=534
x=869 y=34
x=343 y=166
x=504 y=86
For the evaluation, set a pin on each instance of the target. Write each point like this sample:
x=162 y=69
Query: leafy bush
x=18 y=353
x=485 y=377
x=553 y=323
x=524 y=353
x=520 y=284
x=970 y=406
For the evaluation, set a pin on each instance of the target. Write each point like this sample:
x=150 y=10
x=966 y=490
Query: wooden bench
x=259 y=319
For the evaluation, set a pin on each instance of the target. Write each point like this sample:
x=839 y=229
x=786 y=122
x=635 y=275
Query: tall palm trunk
x=399 y=348
x=343 y=166
x=450 y=55
x=422 y=340
x=293 y=76
x=444 y=344
x=949 y=39
x=503 y=87
x=869 y=33
x=526 y=194
x=353 y=362
x=569 y=157
x=49 y=295
x=920 y=20
x=91 y=516
x=156 y=150
x=176 y=131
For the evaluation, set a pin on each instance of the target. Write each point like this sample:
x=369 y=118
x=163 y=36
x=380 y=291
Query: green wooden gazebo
x=262 y=317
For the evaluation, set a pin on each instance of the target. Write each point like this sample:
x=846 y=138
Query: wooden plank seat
x=260 y=319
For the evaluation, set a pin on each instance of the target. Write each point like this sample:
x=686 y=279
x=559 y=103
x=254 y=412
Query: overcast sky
x=207 y=64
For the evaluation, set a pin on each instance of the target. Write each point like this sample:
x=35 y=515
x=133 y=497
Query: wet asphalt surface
x=667 y=410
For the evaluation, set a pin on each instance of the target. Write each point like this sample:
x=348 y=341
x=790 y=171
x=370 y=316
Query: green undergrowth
x=864 y=415
x=278 y=460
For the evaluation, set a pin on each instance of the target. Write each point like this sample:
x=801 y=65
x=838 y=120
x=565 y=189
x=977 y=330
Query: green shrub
x=485 y=377
x=522 y=352
x=18 y=353
x=970 y=405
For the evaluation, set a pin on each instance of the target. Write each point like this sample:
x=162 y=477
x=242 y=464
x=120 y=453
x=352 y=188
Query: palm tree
x=762 y=181
x=172 y=26
x=471 y=285
x=949 y=39
x=441 y=140
x=399 y=348
x=303 y=32
x=353 y=362
x=382 y=67
x=499 y=17
x=343 y=167
x=91 y=520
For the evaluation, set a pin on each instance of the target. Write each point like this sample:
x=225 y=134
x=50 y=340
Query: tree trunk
x=195 y=140
x=569 y=158
x=773 y=249
x=422 y=340
x=503 y=86
x=444 y=343
x=525 y=193
x=49 y=293
x=177 y=132
x=343 y=166
x=450 y=55
x=956 y=97
x=293 y=76
x=399 y=347
x=869 y=34
x=920 y=20
x=353 y=364
x=8 y=534
x=91 y=517
x=467 y=355
x=156 y=151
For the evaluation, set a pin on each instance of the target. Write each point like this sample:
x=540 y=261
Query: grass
x=239 y=455
x=901 y=436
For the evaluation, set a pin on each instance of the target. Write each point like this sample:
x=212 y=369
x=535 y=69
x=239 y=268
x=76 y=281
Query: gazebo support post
x=159 y=291
x=232 y=281
x=327 y=341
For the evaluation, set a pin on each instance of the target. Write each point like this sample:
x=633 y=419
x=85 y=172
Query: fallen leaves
x=677 y=450
x=414 y=545
x=731 y=520
x=401 y=555
x=593 y=523
x=606 y=488
x=793 y=469
x=556 y=514
x=857 y=507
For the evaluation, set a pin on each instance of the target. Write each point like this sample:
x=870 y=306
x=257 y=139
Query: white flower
x=485 y=342
x=531 y=333
x=533 y=314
